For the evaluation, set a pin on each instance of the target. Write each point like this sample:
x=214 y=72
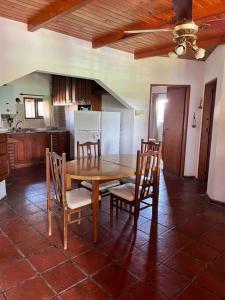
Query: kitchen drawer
x=3 y=148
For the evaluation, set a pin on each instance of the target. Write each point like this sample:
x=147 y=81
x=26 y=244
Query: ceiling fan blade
x=214 y=24
x=183 y=10
x=148 y=30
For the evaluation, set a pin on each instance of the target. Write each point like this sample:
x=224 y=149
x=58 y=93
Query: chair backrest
x=147 y=174
x=55 y=172
x=89 y=149
x=150 y=145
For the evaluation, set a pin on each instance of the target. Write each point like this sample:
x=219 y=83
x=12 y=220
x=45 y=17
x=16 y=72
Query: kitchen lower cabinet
x=26 y=149
x=4 y=158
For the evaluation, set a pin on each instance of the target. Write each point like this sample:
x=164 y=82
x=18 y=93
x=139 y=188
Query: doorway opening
x=206 y=132
x=168 y=117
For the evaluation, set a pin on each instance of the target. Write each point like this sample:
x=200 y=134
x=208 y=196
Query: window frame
x=36 y=101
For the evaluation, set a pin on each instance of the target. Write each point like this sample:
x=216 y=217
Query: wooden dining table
x=99 y=170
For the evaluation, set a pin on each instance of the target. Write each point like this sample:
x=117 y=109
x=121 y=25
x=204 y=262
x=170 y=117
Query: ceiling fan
x=185 y=31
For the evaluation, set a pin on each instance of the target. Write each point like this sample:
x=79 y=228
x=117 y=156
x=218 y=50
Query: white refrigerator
x=94 y=125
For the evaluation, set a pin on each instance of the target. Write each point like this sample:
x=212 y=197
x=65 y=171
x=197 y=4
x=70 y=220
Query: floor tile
x=76 y=246
x=113 y=279
x=22 y=233
x=213 y=281
x=44 y=259
x=201 y=251
x=153 y=229
x=140 y=291
x=9 y=255
x=196 y=292
x=32 y=245
x=15 y=273
x=215 y=237
x=166 y=281
x=35 y=289
x=85 y=290
x=186 y=265
x=63 y=276
x=92 y=261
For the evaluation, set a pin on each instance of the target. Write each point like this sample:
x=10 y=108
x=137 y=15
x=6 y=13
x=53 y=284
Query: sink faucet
x=18 y=123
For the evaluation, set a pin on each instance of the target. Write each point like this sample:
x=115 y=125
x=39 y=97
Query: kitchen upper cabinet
x=7 y=100
x=61 y=90
x=4 y=159
x=68 y=90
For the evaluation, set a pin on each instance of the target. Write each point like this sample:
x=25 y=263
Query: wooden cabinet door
x=23 y=149
x=39 y=145
x=4 y=158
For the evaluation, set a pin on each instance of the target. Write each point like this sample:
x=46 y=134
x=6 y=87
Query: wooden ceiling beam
x=161 y=21
x=54 y=11
x=163 y=51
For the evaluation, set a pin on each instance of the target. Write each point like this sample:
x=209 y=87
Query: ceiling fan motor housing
x=185 y=32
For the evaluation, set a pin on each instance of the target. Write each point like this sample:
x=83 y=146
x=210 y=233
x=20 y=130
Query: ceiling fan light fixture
x=200 y=53
x=172 y=54
x=180 y=49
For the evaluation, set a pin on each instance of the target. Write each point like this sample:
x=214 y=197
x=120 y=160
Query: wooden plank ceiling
x=102 y=22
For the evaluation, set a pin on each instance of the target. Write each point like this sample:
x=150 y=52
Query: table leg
x=95 y=206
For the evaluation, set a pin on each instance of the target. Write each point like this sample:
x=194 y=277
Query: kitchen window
x=34 y=108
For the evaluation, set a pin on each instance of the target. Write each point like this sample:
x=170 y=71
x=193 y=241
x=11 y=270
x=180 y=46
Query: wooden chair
x=151 y=144
x=93 y=150
x=89 y=149
x=135 y=195
x=72 y=202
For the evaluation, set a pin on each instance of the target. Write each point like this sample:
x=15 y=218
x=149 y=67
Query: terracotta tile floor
x=178 y=254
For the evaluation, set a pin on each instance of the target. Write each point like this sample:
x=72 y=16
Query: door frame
x=185 y=119
x=214 y=82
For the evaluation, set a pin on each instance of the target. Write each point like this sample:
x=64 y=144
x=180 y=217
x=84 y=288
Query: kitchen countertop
x=36 y=131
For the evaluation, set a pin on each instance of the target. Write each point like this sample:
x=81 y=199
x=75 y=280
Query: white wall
x=22 y=52
x=215 y=68
x=2 y=189
x=34 y=83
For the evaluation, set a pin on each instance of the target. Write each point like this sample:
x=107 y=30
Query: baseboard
x=216 y=202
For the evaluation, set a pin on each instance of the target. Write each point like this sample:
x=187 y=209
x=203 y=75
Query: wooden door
x=174 y=129
x=206 y=134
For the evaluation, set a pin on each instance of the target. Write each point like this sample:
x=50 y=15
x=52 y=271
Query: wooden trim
x=185 y=119
x=54 y=11
x=170 y=47
x=214 y=82
x=185 y=125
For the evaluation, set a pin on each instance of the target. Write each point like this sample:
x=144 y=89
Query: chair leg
x=117 y=207
x=136 y=216
x=79 y=216
x=49 y=222
x=111 y=209
x=65 y=229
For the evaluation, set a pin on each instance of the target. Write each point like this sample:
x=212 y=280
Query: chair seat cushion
x=124 y=191
x=103 y=186
x=78 y=198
